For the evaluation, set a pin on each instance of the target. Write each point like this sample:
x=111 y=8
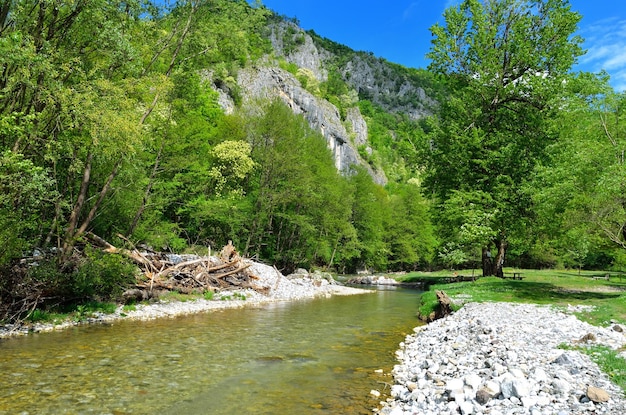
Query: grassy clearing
x=555 y=287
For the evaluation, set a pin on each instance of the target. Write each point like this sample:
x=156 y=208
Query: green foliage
x=578 y=196
x=494 y=128
x=301 y=211
x=399 y=143
x=231 y=165
x=109 y=123
x=99 y=275
x=290 y=67
x=409 y=233
x=44 y=316
x=25 y=193
x=452 y=256
x=369 y=216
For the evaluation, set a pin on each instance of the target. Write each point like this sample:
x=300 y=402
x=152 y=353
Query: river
x=305 y=357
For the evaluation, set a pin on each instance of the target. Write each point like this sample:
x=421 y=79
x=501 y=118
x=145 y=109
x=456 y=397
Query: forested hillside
x=181 y=128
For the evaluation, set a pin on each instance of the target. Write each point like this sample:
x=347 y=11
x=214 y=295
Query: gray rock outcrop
x=266 y=82
x=374 y=78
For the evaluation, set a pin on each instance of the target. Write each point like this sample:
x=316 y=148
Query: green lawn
x=557 y=287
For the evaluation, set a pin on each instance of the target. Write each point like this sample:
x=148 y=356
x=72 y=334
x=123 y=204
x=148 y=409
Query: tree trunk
x=76 y=210
x=498 y=264
x=487 y=263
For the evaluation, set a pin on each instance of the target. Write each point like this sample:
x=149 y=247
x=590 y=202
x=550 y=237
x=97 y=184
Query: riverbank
x=299 y=286
x=504 y=358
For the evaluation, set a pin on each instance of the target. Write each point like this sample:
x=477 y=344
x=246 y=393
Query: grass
x=554 y=287
x=78 y=312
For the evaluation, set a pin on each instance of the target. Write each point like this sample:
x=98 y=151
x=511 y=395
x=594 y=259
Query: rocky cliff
x=270 y=82
x=392 y=87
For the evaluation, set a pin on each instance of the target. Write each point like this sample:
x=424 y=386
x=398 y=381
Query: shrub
x=101 y=275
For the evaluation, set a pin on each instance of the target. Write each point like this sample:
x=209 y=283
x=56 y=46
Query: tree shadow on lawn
x=543 y=292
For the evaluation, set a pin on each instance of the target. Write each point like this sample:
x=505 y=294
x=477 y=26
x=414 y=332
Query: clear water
x=308 y=357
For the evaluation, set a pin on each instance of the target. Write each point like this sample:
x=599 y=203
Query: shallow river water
x=306 y=357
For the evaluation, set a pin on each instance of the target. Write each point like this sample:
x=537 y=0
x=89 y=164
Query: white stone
x=516 y=362
x=506 y=388
x=529 y=401
x=398 y=390
x=493 y=386
x=466 y=408
x=517 y=373
x=396 y=411
x=453 y=407
x=454 y=384
x=539 y=375
x=499 y=369
x=473 y=381
x=521 y=387
x=560 y=387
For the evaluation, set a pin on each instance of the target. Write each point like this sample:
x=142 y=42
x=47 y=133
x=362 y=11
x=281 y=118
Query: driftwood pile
x=227 y=270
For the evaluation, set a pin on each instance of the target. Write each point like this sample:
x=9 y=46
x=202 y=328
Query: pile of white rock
x=502 y=358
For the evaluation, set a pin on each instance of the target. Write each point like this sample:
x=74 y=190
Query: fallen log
x=235 y=271
x=107 y=247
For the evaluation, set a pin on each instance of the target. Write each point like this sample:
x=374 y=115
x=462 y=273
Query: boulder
x=597 y=395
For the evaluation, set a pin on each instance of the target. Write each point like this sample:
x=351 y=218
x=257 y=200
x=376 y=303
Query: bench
x=606 y=277
x=513 y=276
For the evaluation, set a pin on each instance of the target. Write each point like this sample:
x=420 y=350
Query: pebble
x=504 y=359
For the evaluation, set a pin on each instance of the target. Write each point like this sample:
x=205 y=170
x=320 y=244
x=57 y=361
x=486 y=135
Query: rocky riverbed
x=502 y=358
x=298 y=286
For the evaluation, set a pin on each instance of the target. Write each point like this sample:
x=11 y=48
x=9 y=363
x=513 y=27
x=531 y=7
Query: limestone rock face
x=306 y=55
x=358 y=126
x=373 y=78
x=268 y=82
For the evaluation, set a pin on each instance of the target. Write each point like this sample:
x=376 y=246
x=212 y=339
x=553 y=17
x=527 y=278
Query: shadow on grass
x=528 y=291
x=542 y=292
x=545 y=292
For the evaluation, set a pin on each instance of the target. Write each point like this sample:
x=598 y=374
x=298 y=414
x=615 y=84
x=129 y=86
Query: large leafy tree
x=505 y=62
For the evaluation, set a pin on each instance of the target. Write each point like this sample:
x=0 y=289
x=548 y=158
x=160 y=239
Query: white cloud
x=409 y=11
x=605 y=42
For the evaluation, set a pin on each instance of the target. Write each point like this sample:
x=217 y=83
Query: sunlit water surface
x=307 y=357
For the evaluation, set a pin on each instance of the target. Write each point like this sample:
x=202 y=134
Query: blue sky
x=397 y=30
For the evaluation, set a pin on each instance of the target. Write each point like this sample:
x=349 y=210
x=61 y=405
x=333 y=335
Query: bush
x=101 y=275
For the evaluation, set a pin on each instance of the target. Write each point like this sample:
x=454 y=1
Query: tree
x=579 y=196
x=301 y=203
x=369 y=209
x=409 y=233
x=505 y=62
